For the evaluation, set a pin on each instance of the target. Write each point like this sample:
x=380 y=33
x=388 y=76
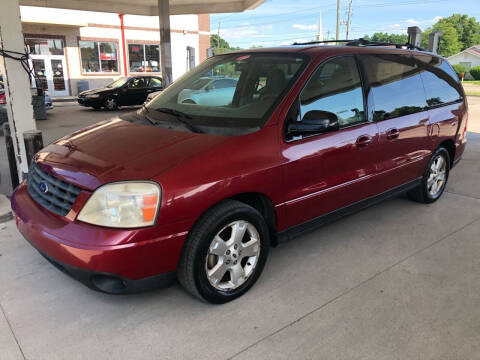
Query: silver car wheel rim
x=437 y=177
x=232 y=255
x=110 y=104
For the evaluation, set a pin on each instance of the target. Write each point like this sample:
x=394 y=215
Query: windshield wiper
x=180 y=116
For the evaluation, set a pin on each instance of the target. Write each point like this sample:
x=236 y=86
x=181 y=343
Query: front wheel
x=224 y=253
x=434 y=179
x=111 y=104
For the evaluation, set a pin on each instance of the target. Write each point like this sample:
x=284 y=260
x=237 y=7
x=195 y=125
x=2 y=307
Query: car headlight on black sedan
x=128 y=204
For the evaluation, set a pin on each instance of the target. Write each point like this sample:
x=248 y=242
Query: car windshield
x=117 y=83
x=242 y=90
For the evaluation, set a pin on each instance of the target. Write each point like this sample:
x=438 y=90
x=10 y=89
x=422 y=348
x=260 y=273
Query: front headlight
x=123 y=205
x=94 y=96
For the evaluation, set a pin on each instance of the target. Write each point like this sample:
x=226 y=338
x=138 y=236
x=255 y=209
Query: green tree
x=385 y=37
x=217 y=42
x=459 y=33
x=221 y=45
x=468 y=29
x=449 y=42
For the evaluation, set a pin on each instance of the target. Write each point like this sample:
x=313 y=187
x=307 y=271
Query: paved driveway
x=399 y=280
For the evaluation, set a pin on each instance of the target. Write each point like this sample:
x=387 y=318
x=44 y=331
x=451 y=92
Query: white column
x=17 y=82
x=165 y=42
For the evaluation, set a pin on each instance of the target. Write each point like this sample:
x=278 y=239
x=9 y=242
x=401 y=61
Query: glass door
x=58 y=76
x=50 y=70
x=40 y=70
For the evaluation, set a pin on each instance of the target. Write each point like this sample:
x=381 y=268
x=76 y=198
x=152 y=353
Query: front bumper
x=112 y=283
x=108 y=260
x=84 y=101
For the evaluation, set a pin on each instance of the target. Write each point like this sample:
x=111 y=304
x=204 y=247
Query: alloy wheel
x=437 y=176
x=111 y=104
x=232 y=255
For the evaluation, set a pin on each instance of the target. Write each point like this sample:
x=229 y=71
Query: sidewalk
x=60 y=99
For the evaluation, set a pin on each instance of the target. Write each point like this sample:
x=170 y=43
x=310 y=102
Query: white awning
x=149 y=7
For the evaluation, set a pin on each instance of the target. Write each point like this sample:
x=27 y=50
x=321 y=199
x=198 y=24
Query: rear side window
x=335 y=86
x=440 y=81
x=395 y=85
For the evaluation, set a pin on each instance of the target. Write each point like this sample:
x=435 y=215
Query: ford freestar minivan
x=199 y=191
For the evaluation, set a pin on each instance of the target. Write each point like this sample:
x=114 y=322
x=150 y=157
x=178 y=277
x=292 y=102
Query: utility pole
x=218 y=35
x=337 y=36
x=349 y=17
x=320 y=31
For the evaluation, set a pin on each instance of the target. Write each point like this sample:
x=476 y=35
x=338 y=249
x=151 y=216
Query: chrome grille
x=50 y=192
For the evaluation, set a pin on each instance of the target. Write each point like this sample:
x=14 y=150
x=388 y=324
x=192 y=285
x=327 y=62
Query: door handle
x=392 y=133
x=363 y=140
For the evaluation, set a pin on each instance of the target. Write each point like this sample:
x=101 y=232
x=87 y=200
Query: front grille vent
x=50 y=192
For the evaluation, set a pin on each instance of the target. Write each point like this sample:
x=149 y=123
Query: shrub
x=460 y=69
x=475 y=72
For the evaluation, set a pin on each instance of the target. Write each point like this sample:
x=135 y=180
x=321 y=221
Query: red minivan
x=200 y=191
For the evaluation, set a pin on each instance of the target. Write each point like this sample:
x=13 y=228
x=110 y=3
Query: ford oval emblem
x=43 y=187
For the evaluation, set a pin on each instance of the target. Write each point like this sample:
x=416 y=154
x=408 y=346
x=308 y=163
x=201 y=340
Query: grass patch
x=472 y=93
x=471 y=82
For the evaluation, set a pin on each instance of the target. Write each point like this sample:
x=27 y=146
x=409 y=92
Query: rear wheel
x=434 y=179
x=224 y=253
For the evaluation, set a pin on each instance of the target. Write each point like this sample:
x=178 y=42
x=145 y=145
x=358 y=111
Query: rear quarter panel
x=448 y=123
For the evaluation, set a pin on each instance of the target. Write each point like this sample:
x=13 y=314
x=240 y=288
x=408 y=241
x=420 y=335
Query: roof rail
x=363 y=42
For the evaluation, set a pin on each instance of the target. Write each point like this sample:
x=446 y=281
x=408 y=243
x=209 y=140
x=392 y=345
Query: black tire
x=192 y=273
x=110 y=104
x=421 y=193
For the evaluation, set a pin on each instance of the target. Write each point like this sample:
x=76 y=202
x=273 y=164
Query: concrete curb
x=64 y=99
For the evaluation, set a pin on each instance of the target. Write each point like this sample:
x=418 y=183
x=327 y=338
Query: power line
x=288 y=14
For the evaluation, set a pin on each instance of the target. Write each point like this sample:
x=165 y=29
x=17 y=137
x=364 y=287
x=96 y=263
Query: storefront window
x=45 y=46
x=98 y=56
x=144 y=58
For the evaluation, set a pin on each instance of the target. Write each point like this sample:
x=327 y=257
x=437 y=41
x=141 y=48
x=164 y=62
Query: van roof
x=321 y=49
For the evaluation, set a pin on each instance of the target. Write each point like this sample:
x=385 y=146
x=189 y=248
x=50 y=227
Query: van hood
x=117 y=150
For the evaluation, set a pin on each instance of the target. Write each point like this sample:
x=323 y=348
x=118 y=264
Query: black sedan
x=122 y=92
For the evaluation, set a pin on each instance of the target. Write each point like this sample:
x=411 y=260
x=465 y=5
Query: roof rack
x=363 y=42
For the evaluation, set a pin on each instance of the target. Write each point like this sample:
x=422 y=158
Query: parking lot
x=400 y=280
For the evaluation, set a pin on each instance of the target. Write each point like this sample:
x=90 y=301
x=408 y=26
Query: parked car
x=122 y=92
x=3 y=105
x=209 y=91
x=48 y=102
x=200 y=192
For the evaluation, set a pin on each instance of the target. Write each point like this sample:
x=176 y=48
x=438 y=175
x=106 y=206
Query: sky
x=282 y=22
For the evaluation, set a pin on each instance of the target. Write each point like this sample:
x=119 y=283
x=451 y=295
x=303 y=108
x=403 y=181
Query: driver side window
x=137 y=83
x=335 y=87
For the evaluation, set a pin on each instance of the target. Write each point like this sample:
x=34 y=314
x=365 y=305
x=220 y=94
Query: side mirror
x=314 y=122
